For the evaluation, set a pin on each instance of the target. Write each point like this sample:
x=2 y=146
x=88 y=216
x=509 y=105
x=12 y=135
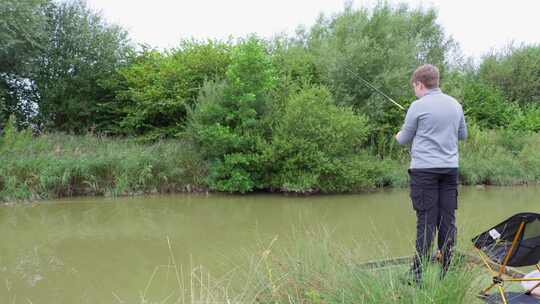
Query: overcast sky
x=478 y=25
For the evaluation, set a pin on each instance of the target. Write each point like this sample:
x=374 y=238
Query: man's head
x=425 y=78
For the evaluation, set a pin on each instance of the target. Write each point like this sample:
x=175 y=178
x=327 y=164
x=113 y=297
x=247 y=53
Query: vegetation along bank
x=94 y=114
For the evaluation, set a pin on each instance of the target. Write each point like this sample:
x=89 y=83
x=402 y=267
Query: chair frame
x=498 y=279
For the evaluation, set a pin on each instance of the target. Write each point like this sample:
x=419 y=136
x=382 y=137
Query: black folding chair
x=515 y=243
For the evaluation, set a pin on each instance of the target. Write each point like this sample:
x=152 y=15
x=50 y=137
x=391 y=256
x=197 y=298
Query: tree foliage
x=229 y=120
x=383 y=46
x=316 y=143
x=515 y=71
x=22 y=36
x=158 y=89
x=82 y=48
x=487 y=106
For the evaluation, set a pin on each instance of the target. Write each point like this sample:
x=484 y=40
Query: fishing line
x=369 y=85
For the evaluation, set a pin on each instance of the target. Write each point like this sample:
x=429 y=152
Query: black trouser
x=434 y=198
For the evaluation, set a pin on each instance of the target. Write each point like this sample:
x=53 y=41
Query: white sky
x=478 y=25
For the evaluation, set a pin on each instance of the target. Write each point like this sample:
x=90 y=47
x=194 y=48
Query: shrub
x=295 y=64
x=228 y=122
x=157 y=90
x=317 y=146
x=487 y=106
x=528 y=119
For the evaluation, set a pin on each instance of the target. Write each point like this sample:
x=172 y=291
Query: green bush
x=317 y=146
x=228 y=123
x=295 y=64
x=515 y=71
x=487 y=106
x=157 y=90
x=528 y=119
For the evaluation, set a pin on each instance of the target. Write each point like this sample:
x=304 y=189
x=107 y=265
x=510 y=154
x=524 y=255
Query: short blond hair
x=426 y=74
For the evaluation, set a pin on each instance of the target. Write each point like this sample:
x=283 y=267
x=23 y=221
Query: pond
x=105 y=250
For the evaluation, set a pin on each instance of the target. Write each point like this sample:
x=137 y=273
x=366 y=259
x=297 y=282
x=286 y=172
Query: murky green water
x=104 y=250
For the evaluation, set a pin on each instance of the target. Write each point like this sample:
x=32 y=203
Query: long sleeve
x=408 y=130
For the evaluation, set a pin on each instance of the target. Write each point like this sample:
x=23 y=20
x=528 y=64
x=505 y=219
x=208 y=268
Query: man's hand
x=397 y=135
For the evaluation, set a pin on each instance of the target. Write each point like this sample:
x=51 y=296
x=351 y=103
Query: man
x=434 y=123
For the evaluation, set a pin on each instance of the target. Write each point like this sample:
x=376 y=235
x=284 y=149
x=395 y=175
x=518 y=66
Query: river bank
x=58 y=165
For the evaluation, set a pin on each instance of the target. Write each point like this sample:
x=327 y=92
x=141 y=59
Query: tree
x=81 y=49
x=22 y=37
x=515 y=71
x=487 y=106
x=160 y=88
x=316 y=144
x=21 y=34
x=383 y=46
x=228 y=123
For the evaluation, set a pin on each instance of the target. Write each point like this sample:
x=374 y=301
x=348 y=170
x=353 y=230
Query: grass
x=500 y=158
x=58 y=165
x=313 y=268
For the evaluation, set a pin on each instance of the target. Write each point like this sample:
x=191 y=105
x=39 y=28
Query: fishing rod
x=369 y=85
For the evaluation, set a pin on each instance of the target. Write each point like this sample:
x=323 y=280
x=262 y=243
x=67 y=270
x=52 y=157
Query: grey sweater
x=434 y=124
